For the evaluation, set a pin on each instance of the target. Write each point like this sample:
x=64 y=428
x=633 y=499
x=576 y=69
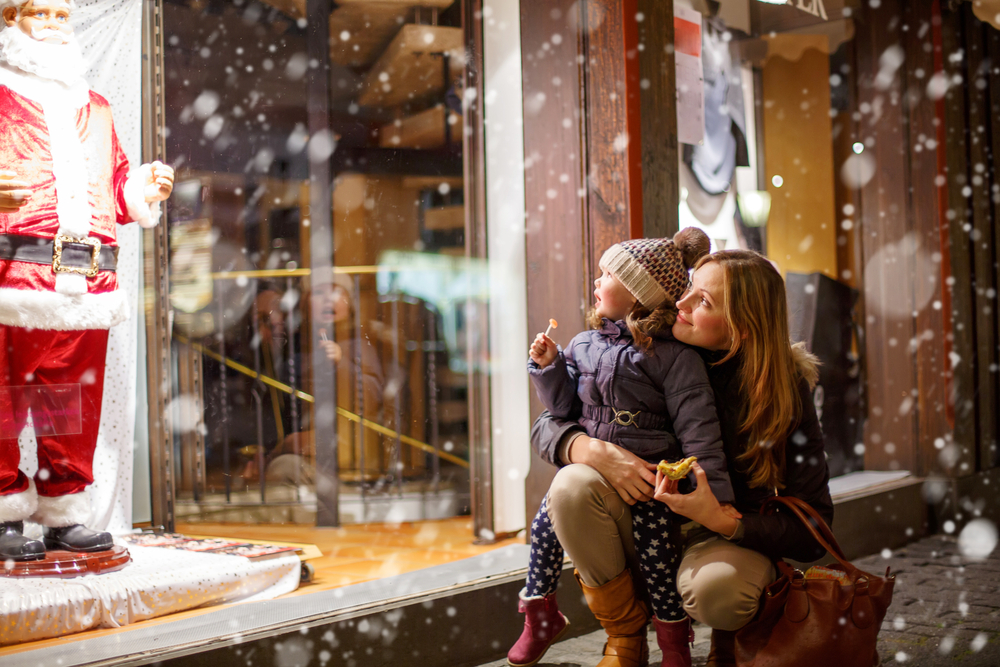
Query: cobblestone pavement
x=945 y=612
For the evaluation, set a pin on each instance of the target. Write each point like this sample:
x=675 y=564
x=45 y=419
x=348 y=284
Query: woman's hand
x=631 y=477
x=700 y=505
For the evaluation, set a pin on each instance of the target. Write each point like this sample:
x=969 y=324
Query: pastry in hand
x=677 y=469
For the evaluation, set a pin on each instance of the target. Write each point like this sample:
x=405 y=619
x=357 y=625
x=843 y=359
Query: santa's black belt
x=608 y=415
x=64 y=254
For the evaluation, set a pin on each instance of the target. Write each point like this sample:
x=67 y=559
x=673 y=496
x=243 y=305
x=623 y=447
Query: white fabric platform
x=157 y=582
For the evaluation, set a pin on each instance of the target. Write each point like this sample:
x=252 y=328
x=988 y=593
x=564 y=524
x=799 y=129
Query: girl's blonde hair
x=756 y=311
x=642 y=322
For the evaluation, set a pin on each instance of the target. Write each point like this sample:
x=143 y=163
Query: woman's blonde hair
x=756 y=312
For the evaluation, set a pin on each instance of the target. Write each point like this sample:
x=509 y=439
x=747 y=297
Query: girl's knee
x=573 y=484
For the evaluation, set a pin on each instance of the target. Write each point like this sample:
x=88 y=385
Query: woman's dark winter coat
x=806 y=475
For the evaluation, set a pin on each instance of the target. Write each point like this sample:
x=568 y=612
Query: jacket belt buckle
x=624 y=417
x=57 y=250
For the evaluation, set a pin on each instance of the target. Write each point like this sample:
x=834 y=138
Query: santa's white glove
x=13 y=193
x=146 y=187
x=158 y=179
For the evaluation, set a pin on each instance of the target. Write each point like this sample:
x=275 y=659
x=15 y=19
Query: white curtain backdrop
x=110 y=32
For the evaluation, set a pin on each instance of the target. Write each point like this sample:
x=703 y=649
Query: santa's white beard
x=59 y=62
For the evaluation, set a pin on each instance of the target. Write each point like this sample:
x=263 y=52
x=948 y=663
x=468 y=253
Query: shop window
x=777 y=168
x=395 y=317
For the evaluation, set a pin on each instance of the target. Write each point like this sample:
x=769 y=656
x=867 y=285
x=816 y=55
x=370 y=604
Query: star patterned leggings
x=658 y=557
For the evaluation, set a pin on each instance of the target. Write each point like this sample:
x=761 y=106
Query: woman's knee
x=718 y=597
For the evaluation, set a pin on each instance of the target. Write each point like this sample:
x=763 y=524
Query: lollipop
x=552 y=325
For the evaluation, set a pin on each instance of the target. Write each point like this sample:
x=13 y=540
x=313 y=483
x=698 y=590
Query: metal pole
x=293 y=382
x=259 y=454
x=473 y=151
x=359 y=394
x=395 y=461
x=433 y=397
x=224 y=402
x=321 y=253
x=257 y=392
x=157 y=277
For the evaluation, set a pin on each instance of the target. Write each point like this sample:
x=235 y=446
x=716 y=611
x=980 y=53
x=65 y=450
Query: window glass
x=392 y=321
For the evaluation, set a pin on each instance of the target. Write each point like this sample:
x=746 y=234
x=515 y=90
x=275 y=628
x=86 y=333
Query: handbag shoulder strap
x=817 y=527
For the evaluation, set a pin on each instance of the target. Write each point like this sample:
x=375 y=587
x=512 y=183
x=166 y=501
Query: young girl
x=629 y=382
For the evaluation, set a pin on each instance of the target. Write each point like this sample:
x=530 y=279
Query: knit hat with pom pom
x=655 y=270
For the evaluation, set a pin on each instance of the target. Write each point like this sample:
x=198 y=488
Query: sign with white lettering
x=814 y=7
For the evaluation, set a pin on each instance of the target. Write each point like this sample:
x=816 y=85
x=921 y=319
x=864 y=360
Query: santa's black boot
x=77 y=537
x=15 y=546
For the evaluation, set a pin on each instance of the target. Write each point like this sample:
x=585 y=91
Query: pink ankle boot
x=674 y=639
x=543 y=625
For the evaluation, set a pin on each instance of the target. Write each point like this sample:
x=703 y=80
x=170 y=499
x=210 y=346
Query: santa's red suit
x=54 y=326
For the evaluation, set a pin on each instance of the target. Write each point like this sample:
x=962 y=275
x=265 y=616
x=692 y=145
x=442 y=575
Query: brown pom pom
x=693 y=244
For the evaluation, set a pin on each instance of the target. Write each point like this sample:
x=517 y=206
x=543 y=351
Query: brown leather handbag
x=816 y=622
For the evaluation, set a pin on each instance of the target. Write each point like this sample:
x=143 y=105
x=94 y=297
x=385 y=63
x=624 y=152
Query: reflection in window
x=394 y=320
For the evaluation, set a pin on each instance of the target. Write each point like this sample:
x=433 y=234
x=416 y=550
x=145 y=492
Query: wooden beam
x=928 y=346
x=359 y=33
x=981 y=236
x=992 y=180
x=948 y=39
x=658 y=102
x=432 y=4
x=613 y=139
x=890 y=432
x=554 y=183
x=412 y=66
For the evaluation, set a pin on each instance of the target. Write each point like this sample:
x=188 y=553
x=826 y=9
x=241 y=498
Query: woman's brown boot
x=623 y=617
x=723 y=650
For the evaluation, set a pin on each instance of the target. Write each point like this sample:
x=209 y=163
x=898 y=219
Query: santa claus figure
x=65 y=186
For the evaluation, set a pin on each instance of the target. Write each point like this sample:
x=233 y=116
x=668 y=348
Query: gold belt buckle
x=57 y=249
x=624 y=417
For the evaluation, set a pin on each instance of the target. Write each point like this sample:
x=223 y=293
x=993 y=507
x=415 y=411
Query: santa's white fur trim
x=62 y=511
x=147 y=214
x=19 y=506
x=71 y=284
x=69 y=167
x=44 y=90
x=33 y=309
x=60 y=104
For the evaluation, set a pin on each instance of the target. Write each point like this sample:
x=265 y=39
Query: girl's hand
x=700 y=505
x=543 y=351
x=331 y=349
x=631 y=477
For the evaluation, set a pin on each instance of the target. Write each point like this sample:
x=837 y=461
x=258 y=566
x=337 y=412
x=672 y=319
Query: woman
x=735 y=311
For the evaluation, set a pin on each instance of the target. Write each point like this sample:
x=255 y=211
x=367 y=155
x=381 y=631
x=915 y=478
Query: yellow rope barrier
x=296 y=273
x=280 y=386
